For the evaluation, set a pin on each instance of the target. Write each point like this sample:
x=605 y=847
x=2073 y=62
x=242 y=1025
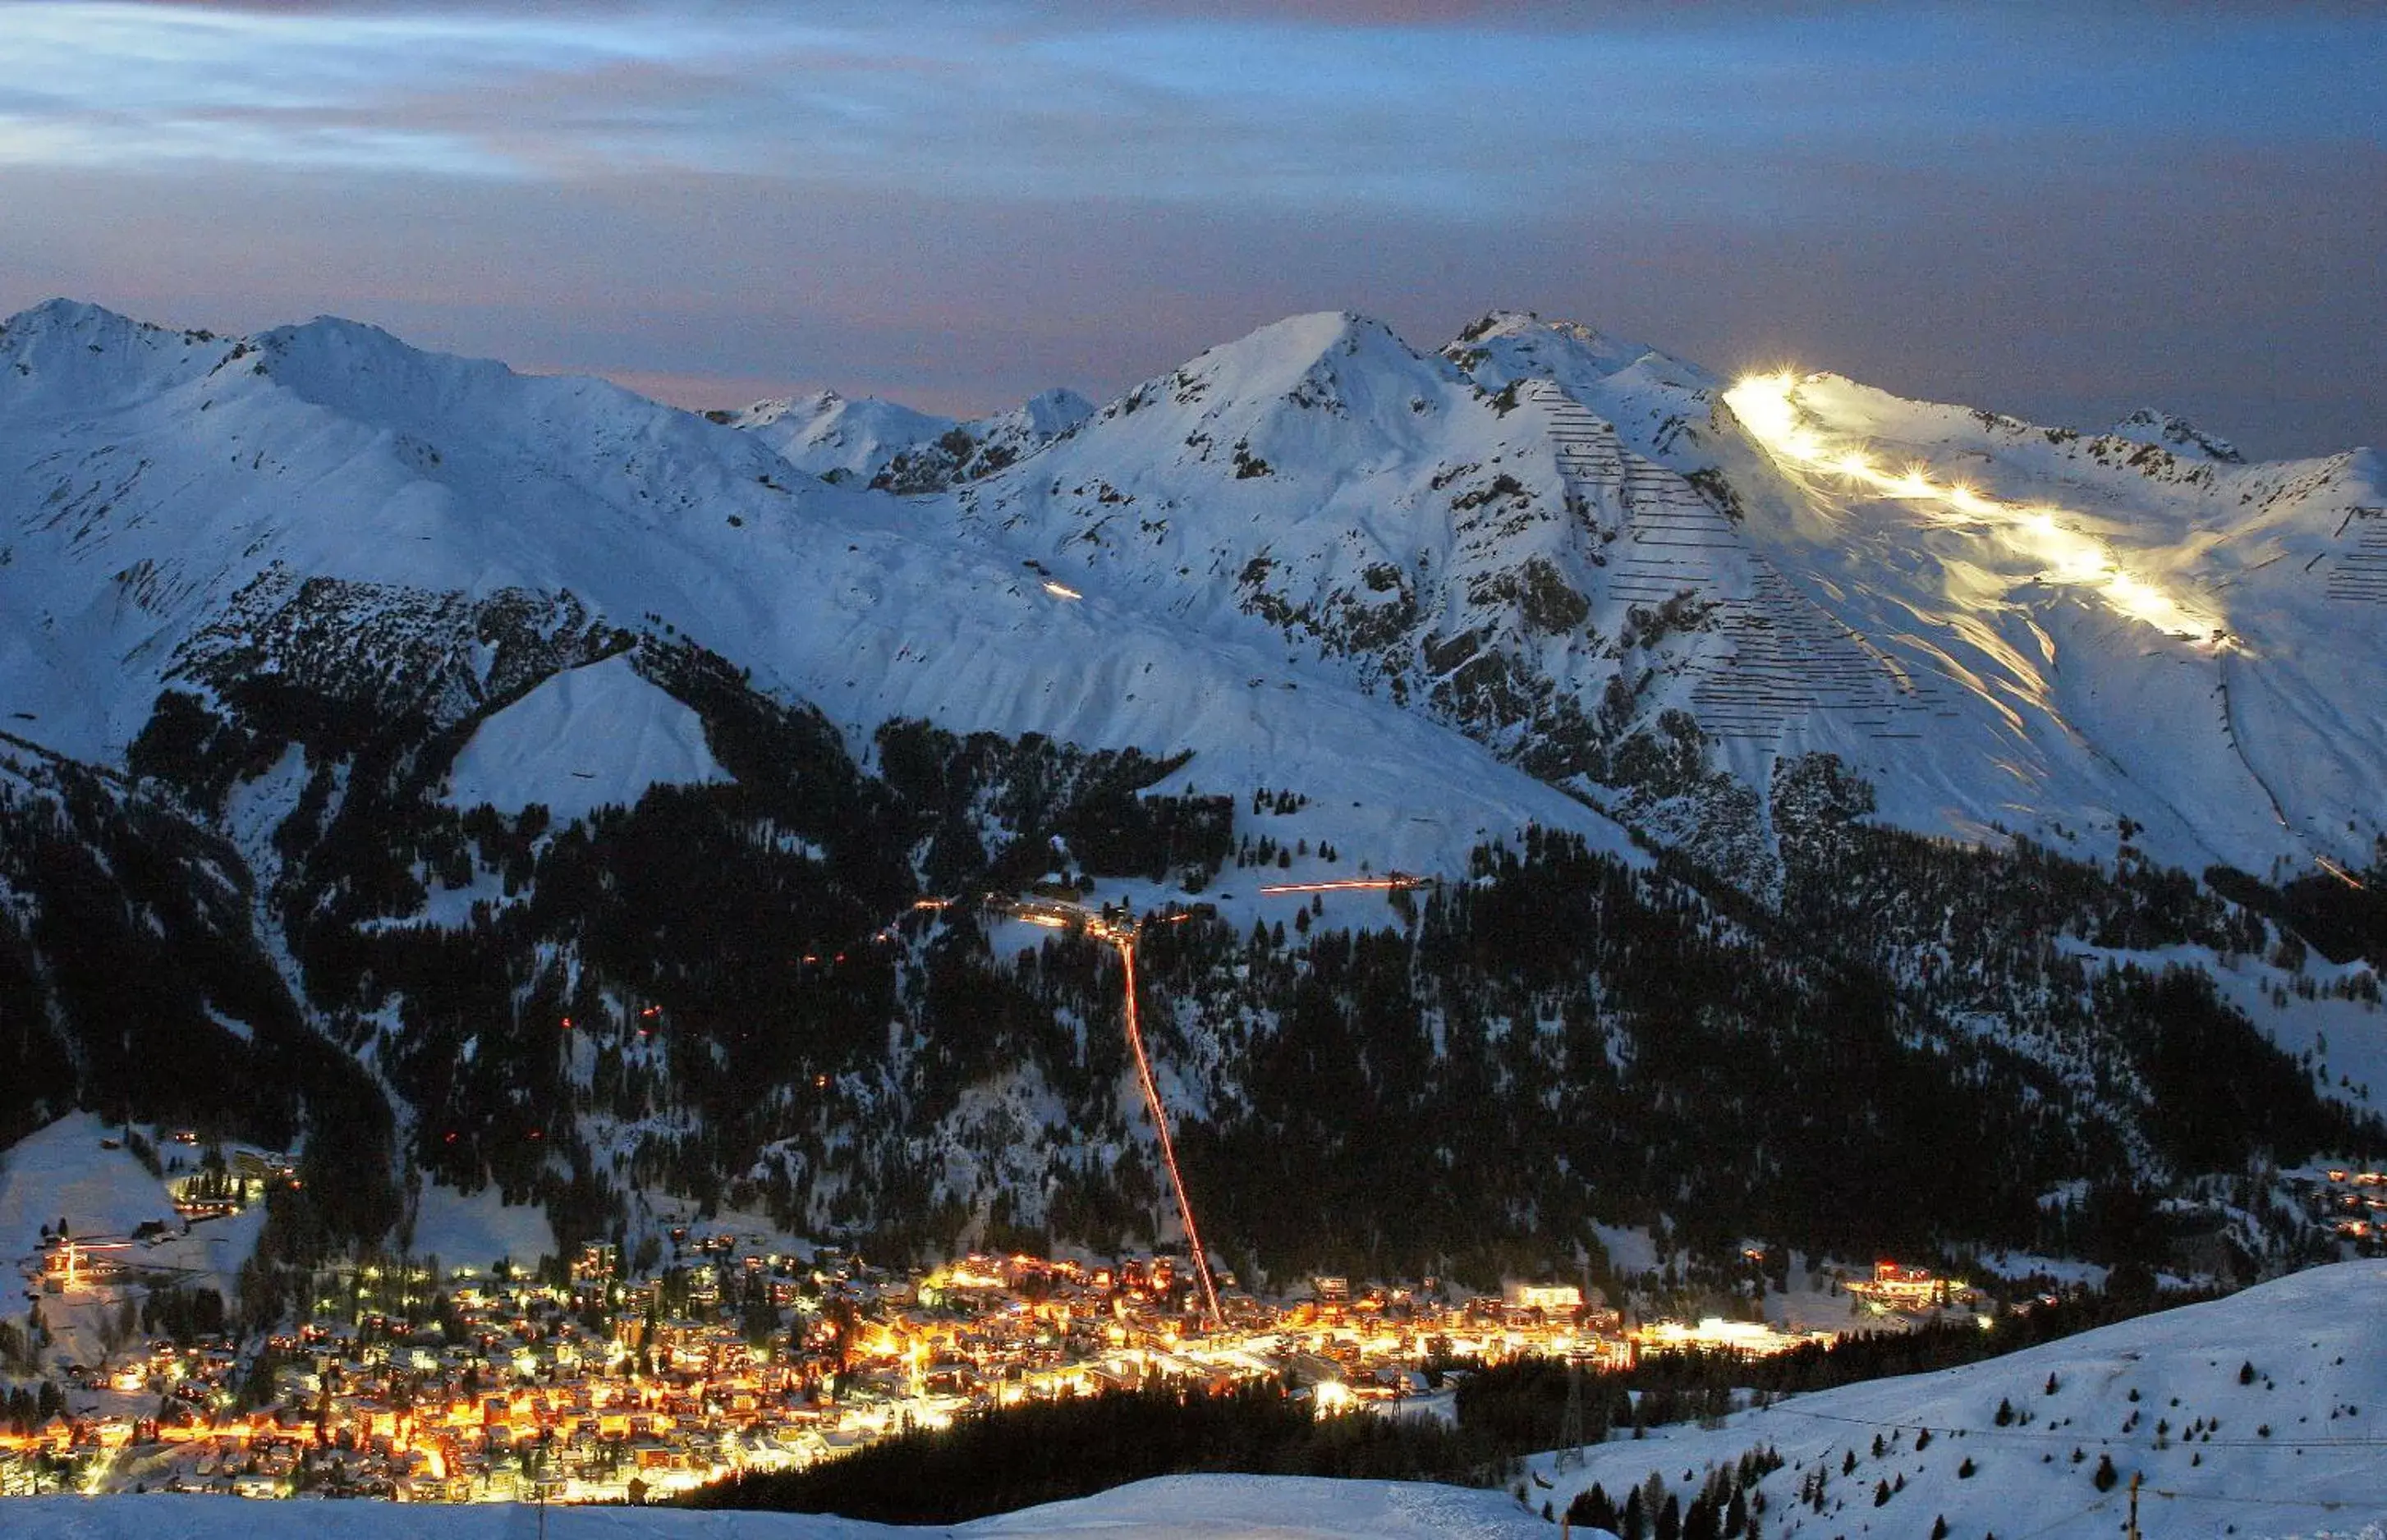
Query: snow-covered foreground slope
x=1248 y=1507
x=2265 y=1413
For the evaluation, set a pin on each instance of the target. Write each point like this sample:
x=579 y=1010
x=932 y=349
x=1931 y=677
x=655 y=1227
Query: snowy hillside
x=1552 y=540
x=2265 y=1413
x=2194 y=637
x=585 y=737
x=64 y=1169
x=167 y=491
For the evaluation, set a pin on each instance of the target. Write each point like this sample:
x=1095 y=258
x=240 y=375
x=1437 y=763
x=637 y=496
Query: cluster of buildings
x=1898 y=1290
x=2352 y=1204
x=738 y=1357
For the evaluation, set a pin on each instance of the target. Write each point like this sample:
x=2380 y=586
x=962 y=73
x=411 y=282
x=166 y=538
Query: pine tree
x=1593 y=1509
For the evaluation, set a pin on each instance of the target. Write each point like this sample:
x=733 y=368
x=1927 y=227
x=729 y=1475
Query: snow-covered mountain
x=891 y=448
x=322 y=498
x=440 y=684
x=836 y=438
x=1574 y=550
x=1616 y=571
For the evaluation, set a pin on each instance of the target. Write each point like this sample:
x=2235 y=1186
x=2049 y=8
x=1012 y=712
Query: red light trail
x=1348 y=885
x=2334 y=869
x=1055 y=914
x=1125 y=942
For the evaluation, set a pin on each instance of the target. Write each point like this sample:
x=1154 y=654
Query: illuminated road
x=2334 y=869
x=1125 y=942
x=1348 y=885
x=1057 y=915
x=1767 y=407
x=1054 y=914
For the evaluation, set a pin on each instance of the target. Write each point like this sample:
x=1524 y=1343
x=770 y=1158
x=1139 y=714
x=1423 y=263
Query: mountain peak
x=89 y=353
x=1519 y=342
x=1338 y=362
x=336 y=339
x=57 y=324
x=1053 y=412
x=2149 y=426
x=1287 y=349
x=67 y=315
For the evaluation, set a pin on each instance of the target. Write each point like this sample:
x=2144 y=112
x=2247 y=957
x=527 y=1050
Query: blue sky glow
x=2056 y=209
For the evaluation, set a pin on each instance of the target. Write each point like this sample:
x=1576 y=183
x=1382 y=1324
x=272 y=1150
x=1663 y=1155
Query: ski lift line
x=2330 y=1503
x=2092 y=1506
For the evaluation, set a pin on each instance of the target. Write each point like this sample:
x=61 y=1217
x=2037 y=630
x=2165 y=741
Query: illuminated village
x=733 y=1356
x=740 y=1350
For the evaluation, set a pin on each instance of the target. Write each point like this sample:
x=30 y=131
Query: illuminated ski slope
x=1769 y=408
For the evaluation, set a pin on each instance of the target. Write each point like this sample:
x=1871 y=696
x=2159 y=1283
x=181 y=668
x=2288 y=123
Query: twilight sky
x=2063 y=210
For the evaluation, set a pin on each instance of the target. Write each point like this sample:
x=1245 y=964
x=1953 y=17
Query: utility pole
x=1571 y=1429
x=2135 y=1478
x=1571 y=1434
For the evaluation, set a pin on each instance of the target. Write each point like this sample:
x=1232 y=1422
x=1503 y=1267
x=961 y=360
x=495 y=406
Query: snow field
x=2299 y=1446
